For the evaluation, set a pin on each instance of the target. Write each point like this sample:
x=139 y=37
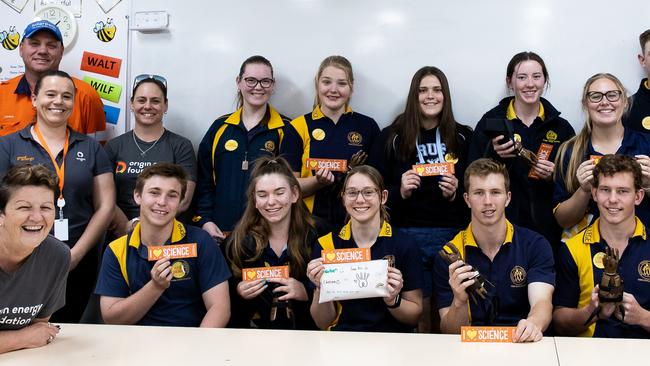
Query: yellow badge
x=644 y=270
x=517 y=137
x=646 y=123
x=318 y=134
x=451 y=158
x=551 y=136
x=518 y=276
x=598 y=260
x=180 y=269
x=231 y=145
x=269 y=146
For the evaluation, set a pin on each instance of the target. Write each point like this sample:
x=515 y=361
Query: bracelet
x=397 y=303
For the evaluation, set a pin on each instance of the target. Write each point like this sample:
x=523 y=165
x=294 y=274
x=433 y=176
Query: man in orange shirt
x=41 y=50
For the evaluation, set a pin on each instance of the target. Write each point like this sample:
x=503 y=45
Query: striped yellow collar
x=274 y=122
x=469 y=240
x=346 y=231
x=592 y=232
x=318 y=114
x=178 y=233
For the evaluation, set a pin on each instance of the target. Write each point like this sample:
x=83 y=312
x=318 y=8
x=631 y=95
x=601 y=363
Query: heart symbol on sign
x=330 y=256
x=157 y=253
x=251 y=274
x=471 y=334
x=313 y=163
x=420 y=170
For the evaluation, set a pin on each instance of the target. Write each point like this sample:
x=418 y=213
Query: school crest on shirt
x=355 y=138
x=518 y=276
x=644 y=271
x=551 y=136
x=269 y=146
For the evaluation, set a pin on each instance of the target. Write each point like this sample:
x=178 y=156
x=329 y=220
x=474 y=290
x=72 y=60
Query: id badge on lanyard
x=61 y=224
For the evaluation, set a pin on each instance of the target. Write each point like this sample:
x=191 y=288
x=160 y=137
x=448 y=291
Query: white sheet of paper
x=358 y=280
x=17 y=5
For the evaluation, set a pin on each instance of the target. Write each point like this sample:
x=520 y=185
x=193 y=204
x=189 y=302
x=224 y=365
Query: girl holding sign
x=230 y=146
x=525 y=132
x=364 y=197
x=85 y=206
x=331 y=131
x=605 y=101
x=275 y=230
x=428 y=208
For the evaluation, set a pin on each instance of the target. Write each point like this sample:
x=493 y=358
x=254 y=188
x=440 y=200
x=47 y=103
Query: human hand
x=544 y=169
x=585 y=175
x=251 y=289
x=293 y=289
x=448 y=185
x=214 y=231
x=161 y=273
x=410 y=181
x=459 y=280
x=505 y=150
x=315 y=270
x=324 y=177
x=38 y=334
x=395 y=283
x=527 y=331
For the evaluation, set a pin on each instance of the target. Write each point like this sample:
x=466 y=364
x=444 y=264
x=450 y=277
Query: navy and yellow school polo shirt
x=525 y=257
x=125 y=270
x=580 y=269
x=372 y=315
x=634 y=143
x=315 y=135
x=222 y=180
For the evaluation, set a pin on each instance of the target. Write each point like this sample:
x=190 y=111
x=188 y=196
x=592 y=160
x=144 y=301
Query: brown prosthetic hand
x=610 y=289
x=529 y=157
x=450 y=254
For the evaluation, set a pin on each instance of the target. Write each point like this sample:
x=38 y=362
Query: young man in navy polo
x=618 y=188
x=186 y=286
x=517 y=262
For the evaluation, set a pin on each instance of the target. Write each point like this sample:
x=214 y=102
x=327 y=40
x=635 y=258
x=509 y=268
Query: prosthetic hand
x=450 y=254
x=611 y=284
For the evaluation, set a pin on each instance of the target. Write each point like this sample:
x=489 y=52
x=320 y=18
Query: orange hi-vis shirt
x=17 y=111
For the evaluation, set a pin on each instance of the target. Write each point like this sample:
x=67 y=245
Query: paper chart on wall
x=358 y=280
x=17 y=5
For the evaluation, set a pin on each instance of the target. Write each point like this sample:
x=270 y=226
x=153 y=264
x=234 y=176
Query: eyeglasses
x=353 y=193
x=145 y=77
x=252 y=82
x=611 y=95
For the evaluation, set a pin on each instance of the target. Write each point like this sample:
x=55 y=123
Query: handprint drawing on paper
x=362 y=279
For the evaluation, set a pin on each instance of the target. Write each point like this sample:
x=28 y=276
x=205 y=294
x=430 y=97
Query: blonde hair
x=580 y=142
x=339 y=62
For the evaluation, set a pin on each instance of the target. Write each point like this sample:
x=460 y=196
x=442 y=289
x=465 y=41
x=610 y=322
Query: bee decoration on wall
x=11 y=39
x=105 y=31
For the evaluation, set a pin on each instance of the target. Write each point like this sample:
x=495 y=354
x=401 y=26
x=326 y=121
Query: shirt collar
x=511 y=114
x=318 y=114
x=275 y=121
x=178 y=233
x=469 y=240
x=26 y=133
x=385 y=231
x=592 y=232
x=23 y=87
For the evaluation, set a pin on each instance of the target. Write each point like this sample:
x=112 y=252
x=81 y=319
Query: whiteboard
x=386 y=41
x=11 y=64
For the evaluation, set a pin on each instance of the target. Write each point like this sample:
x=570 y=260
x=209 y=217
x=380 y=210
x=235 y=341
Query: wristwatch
x=398 y=302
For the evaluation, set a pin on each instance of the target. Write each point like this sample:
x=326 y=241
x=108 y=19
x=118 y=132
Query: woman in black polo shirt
x=535 y=127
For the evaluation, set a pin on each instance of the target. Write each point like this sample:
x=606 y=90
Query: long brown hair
x=407 y=125
x=580 y=141
x=253 y=224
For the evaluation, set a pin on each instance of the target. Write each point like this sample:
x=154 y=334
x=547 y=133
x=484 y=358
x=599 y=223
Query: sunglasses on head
x=146 y=77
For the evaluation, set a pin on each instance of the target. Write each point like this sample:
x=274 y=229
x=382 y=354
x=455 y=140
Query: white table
x=98 y=345
x=601 y=351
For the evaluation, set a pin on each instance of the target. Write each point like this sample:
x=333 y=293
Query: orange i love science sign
x=172 y=251
x=335 y=165
x=487 y=334
x=428 y=170
x=263 y=273
x=346 y=255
